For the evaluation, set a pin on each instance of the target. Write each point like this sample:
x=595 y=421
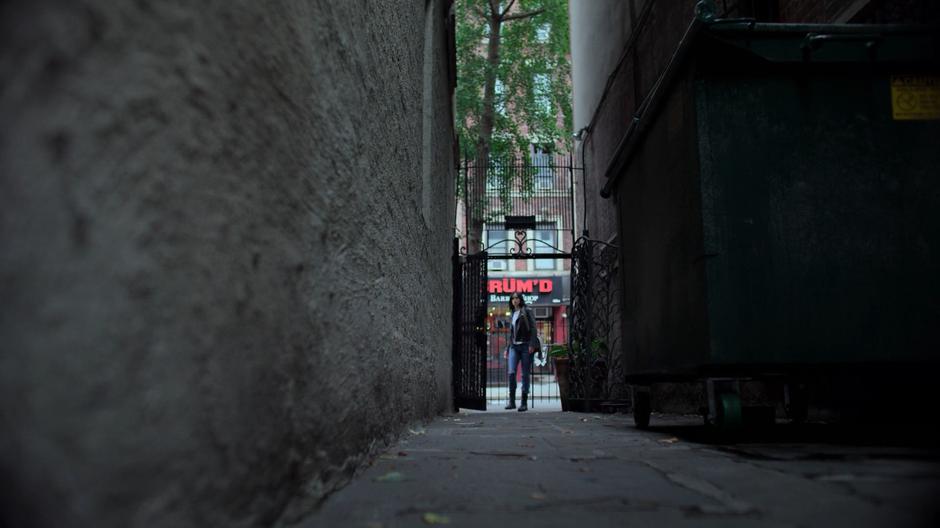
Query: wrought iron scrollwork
x=521 y=246
x=596 y=370
x=492 y=189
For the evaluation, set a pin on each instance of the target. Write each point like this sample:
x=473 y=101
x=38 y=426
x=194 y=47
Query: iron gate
x=469 y=361
x=596 y=370
x=515 y=221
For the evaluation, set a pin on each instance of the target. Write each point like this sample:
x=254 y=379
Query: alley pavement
x=560 y=469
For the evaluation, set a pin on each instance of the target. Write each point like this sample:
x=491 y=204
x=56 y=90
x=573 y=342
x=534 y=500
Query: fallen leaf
x=391 y=476
x=434 y=518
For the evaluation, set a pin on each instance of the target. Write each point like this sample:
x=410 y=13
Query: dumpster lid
x=828 y=43
x=775 y=43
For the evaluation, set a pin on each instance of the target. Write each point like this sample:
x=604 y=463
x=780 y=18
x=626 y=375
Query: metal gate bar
x=469 y=351
x=543 y=385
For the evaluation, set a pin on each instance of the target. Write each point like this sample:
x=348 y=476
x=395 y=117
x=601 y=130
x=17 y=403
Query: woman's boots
x=512 y=393
x=512 y=396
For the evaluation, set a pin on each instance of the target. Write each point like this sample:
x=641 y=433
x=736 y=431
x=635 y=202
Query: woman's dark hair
x=521 y=299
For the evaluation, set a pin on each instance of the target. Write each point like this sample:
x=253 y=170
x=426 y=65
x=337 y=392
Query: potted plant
x=590 y=383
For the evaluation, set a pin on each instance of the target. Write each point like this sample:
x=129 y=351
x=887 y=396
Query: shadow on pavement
x=921 y=436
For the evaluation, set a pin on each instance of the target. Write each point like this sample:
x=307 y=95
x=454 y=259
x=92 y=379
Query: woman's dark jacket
x=520 y=331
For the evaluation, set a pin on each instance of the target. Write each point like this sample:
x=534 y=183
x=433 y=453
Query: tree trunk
x=477 y=200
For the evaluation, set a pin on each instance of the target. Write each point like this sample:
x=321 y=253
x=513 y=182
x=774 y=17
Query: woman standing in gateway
x=523 y=342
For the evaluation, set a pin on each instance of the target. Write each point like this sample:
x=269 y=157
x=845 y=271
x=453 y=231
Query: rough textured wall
x=223 y=281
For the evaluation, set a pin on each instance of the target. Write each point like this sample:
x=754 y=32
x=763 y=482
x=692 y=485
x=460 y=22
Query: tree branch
x=508 y=7
x=494 y=8
x=520 y=16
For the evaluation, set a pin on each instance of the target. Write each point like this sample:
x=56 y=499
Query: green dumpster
x=779 y=205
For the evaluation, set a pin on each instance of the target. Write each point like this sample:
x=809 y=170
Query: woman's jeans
x=519 y=353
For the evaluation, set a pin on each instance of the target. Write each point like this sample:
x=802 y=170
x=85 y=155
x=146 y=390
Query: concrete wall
x=224 y=235
x=599 y=30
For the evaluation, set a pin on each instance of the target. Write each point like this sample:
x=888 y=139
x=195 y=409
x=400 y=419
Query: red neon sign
x=513 y=285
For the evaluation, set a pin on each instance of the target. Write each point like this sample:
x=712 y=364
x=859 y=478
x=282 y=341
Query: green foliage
x=559 y=350
x=533 y=76
x=597 y=350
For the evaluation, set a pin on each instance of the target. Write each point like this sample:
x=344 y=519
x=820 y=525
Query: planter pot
x=587 y=405
x=561 y=375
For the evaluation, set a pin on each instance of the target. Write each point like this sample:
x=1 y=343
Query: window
x=545 y=242
x=544 y=172
x=543 y=93
x=494 y=176
x=497 y=243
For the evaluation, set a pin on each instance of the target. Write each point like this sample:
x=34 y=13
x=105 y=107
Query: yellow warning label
x=915 y=97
